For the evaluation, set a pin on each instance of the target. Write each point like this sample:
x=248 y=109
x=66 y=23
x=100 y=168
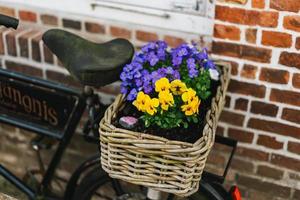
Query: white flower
x=214 y=74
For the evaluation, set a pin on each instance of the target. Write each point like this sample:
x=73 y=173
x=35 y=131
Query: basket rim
x=226 y=68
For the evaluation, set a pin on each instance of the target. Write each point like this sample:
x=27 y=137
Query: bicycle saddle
x=91 y=63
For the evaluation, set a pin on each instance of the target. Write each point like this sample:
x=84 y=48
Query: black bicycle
x=53 y=111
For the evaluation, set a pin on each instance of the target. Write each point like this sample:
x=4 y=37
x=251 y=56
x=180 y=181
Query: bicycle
x=93 y=65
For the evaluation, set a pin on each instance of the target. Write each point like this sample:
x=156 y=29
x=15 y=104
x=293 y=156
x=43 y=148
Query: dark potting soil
x=190 y=134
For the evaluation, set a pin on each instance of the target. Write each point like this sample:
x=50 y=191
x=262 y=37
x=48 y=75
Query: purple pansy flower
x=152 y=63
x=132 y=94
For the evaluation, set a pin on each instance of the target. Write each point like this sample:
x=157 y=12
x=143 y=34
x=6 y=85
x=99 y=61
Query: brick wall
x=259 y=38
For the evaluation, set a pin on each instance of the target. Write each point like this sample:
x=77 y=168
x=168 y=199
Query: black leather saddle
x=91 y=63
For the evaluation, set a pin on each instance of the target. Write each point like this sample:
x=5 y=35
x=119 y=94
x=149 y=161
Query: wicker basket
x=165 y=165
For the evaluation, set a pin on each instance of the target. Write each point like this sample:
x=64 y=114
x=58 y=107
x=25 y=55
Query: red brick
x=290 y=59
x=120 y=32
x=289 y=163
x=268 y=19
x=252 y=153
x=274 y=127
x=257 y=195
x=23 y=43
x=242 y=51
x=25 y=69
x=241 y=104
x=234 y=15
x=62 y=78
x=276 y=39
x=294 y=147
x=284 y=96
x=49 y=19
x=263 y=186
x=94 y=27
x=11 y=43
x=296 y=80
x=48 y=56
x=258 y=3
x=274 y=75
x=270 y=172
x=240 y=135
x=72 y=24
x=234 y=67
x=27 y=16
x=297 y=45
x=1 y=41
x=227 y=101
x=220 y=130
x=285 y=5
x=216 y=159
x=247 y=88
x=35 y=47
x=247 y=17
x=232 y=118
x=251 y=35
x=146 y=36
x=292 y=22
x=241 y=165
x=7 y=11
x=291 y=115
x=249 y=71
x=269 y=142
x=262 y=108
x=227 y=32
x=173 y=41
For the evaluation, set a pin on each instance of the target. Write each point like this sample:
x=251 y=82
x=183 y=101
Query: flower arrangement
x=168 y=85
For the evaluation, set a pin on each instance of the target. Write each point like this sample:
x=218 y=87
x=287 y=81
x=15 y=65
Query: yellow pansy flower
x=178 y=87
x=162 y=85
x=195 y=104
x=191 y=108
x=192 y=102
x=151 y=106
x=187 y=109
x=189 y=95
x=165 y=99
x=141 y=100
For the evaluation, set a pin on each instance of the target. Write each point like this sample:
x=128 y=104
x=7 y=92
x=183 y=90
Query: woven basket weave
x=165 y=165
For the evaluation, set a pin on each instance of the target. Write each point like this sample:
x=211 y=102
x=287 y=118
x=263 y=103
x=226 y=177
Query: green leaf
x=158 y=123
x=195 y=119
x=147 y=123
x=185 y=125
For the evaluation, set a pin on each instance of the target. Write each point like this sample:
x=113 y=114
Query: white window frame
x=177 y=15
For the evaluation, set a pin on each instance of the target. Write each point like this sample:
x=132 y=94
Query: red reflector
x=235 y=193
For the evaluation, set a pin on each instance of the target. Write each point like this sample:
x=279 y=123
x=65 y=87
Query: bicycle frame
x=16 y=90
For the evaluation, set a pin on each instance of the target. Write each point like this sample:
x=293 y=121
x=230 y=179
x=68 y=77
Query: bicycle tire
x=98 y=178
x=89 y=184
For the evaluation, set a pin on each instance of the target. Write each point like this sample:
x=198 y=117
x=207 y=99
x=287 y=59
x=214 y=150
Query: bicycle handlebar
x=9 y=22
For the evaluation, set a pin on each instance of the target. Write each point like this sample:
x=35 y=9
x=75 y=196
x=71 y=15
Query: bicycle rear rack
x=211 y=177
